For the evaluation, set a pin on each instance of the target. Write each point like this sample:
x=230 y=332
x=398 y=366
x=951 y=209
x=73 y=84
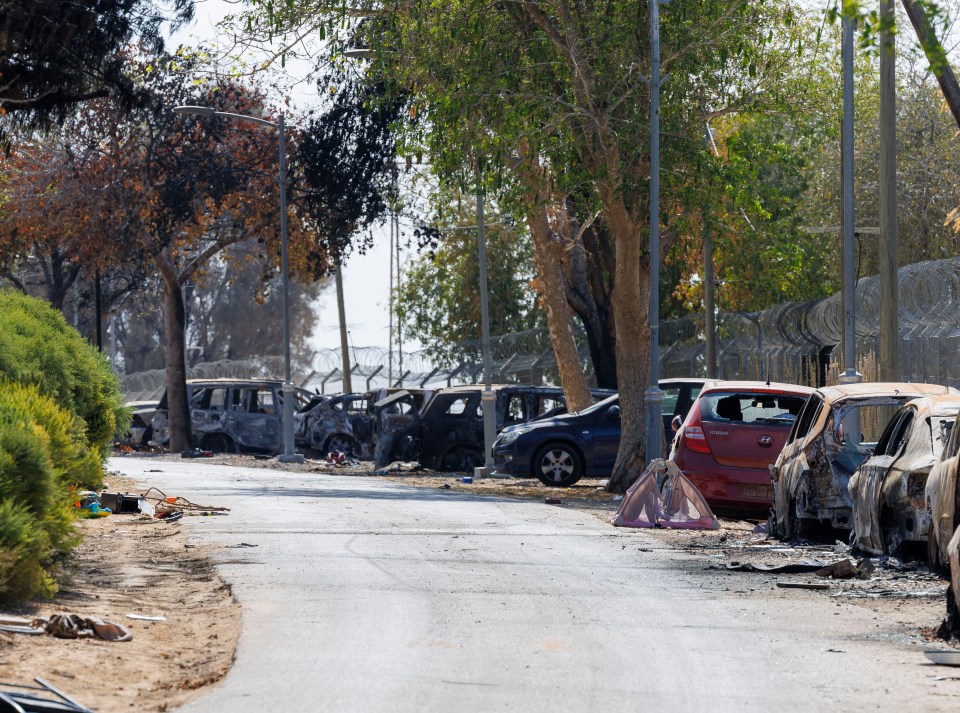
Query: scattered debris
x=944 y=657
x=28 y=699
x=467 y=479
x=786 y=568
x=844 y=569
x=242 y=544
x=145 y=617
x=803 y=585
x=836 y=651
x=21 y=629
x=196 y=453
x=553 y=501
x=74 y=626
x=164 y=504
x=761 y=529
x=445 y=486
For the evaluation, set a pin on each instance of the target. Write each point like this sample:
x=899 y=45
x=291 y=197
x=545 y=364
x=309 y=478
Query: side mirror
x=613 y=412
x=676 y=423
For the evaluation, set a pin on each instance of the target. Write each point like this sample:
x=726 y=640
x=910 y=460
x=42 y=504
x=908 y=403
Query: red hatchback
x=733 y=433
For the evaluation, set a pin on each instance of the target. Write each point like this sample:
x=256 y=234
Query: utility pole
x=344 y=344
x=709 y=286
x=849 y=291
x=889 y=259
x=654 y=396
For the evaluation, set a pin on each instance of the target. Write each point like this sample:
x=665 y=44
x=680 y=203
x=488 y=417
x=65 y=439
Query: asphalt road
x=364 y=595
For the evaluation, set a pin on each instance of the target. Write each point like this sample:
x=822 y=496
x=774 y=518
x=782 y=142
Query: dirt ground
x=133 y=565
x=127 y=565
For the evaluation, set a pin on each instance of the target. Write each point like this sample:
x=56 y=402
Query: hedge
x=43 y=454
x=38 y=347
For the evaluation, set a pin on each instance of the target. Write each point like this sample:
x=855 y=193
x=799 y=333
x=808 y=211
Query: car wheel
x=462 y=460
x=218 y=443
x=933 y=550
x=558 y=465
x=892 y=539
x=341 y=443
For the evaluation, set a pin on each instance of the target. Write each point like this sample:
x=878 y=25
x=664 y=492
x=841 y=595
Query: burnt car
x=732 y=435
x=141 y=429
x=836 y=431
x=451 y=425
x=942 y=498
x=340 y=422
x=231 y=415
x=888 y=491
x=395 y=423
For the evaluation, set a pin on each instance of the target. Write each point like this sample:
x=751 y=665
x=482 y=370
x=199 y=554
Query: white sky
x=366 y=278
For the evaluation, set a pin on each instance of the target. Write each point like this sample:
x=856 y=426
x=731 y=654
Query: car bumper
x=733 y=488
x=506 y=462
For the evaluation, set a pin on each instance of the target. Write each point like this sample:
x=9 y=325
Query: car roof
x=194 y=382
x=884 y=388
x=759 y=386
x=937 y=405
x=497 y=387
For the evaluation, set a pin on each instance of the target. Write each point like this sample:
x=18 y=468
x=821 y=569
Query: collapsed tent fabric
x=676 y=503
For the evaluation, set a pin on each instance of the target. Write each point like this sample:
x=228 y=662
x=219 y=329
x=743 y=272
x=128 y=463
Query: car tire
x=933 y=550
x=892 y=541
x=462 y=460
x=219 y=443
x=558 y=465
x=342 y=443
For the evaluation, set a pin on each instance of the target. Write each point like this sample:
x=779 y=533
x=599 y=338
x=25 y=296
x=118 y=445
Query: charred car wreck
x=447 y=432
x=335 y=423
x=835 y=432
x=888 y=490
x=231 y=415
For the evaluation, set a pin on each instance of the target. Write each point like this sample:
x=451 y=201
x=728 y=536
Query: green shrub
x=38 y=347
x=43 y=453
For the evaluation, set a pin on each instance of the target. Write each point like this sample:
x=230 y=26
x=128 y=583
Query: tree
x=54 y=55
x=438 y=302
x=566 y=78
x=147 y=187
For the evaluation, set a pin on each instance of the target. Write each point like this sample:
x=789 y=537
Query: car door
x=254 y=417
x=604 y=428
x=867 y=481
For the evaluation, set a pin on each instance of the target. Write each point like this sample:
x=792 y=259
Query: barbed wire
x=792 y=342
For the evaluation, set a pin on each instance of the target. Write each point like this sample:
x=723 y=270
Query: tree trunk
x=174 y=344
x=939 y=64
x=588 y=288
x=548 y=258
x=630 y=306
x=548 y=261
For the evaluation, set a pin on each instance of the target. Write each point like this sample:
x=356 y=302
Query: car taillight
x=693 y=434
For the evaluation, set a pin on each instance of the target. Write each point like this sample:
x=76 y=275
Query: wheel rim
x=344 y=445
x=218 y=444
x=557 y=464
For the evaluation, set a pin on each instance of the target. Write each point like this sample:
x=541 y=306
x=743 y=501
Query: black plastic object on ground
x=15 y=698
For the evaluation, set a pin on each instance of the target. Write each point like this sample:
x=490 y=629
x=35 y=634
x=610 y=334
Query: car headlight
x=512 y=435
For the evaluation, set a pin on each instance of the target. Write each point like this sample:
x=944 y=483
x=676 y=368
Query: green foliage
x=438 y=302
x=42 y=455
x=38 y=347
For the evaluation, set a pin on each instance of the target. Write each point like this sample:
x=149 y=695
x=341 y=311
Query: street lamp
x=289 y=454
x=654 y=396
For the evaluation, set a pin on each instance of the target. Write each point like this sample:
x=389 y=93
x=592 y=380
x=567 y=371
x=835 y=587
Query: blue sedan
x=561 y=450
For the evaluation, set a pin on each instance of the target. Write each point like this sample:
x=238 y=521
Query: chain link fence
x=794 y=342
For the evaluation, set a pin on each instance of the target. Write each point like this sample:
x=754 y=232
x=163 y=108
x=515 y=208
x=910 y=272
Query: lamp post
x=654 y=396
x=289 y=454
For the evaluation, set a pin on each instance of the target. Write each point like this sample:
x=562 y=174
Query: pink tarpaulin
x=676 y=503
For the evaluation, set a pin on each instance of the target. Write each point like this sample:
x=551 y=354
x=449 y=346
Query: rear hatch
x=748 y=429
